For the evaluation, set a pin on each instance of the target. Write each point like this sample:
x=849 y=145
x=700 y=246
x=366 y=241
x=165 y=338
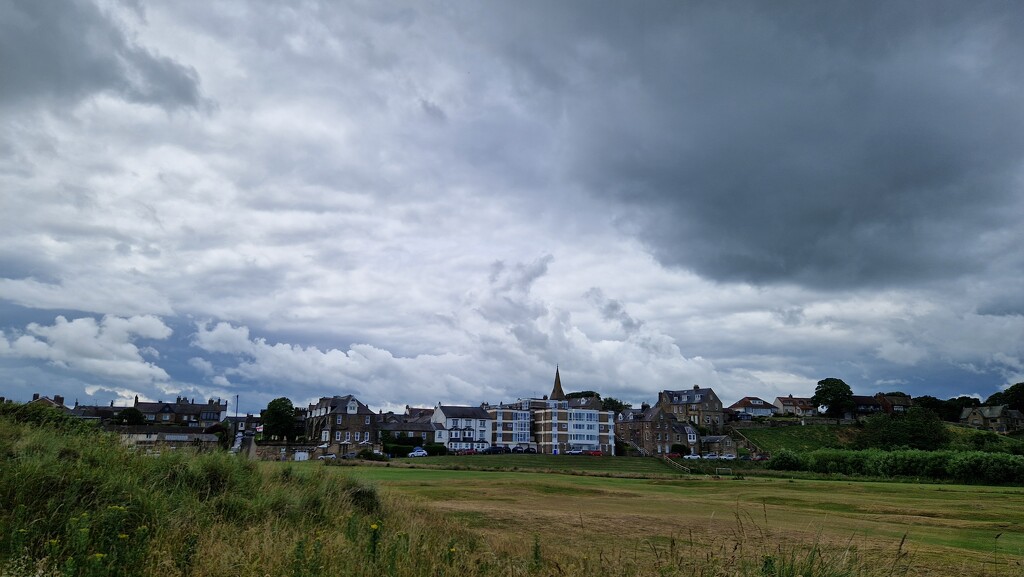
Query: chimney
x=58 y=399
x=35 y=396
x=696 y=387
x=136 y=399
x=111 y=403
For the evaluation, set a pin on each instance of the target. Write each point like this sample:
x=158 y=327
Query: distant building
x=654 y=431
x=342 y=424
x=995 y=418
x=462 y=428
x=753 y=406
x=797 y=406
x=894 y=404
x=697 y=406
x=183 y=412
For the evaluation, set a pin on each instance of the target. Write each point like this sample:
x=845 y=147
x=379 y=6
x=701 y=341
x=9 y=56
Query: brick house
x=697 y=406
x=341 y=424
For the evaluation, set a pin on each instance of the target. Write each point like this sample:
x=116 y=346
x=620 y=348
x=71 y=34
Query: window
x=150 y=417
x=455 y=422
x=337 y=435
x=367 y=420
x=482 y=423
x=358 y=436
x=337 y=420
x=166 y=417
x=347 y=436
x=423 y=435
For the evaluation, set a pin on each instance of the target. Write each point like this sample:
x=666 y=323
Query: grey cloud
x=867 y=144
x=613 y=310
x=71 y=50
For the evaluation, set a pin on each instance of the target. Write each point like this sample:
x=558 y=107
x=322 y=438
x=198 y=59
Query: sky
x=420 y=203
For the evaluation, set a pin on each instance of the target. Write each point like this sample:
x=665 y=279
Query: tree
x=835 y=395
x=130 y=416
x=1012 y=396
x=918 y=428
x=614 y=405
x=583 y=395
x=279 y=419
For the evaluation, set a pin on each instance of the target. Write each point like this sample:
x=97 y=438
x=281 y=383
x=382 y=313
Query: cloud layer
x=416 y=203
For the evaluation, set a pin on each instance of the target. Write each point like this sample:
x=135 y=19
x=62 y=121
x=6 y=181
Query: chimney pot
x=35 y=396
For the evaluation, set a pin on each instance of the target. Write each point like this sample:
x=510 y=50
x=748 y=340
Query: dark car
x=531 y=450
x=518 y=449
x=493 y=450
x=350 y=455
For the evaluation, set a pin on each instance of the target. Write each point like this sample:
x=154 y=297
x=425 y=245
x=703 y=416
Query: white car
x=691 y=456
x=418 y=452
x=728 y=457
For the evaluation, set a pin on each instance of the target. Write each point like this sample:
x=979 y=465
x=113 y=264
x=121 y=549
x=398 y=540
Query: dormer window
x=352 y=407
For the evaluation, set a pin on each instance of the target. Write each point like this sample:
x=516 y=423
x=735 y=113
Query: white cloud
x=102 y=349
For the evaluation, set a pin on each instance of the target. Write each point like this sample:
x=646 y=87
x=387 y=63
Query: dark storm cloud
x=824 y=144
x=71 y=50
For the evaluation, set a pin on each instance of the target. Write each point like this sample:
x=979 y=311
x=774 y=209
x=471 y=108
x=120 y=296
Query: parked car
x=530 y=450
x=466 y=452
x=327 y=457
x=760 y=457
x=693 y=456
x=418 y=452
x=518 y=449
x=728 y=457
x=350 y=455
x=713 y=456
x=574 y=452
x=494 y=450
x=594 y=453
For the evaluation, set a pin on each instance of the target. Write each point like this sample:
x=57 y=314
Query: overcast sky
x=438 y=202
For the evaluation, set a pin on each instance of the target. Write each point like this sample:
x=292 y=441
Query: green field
x=948 y=529
x=802 y=439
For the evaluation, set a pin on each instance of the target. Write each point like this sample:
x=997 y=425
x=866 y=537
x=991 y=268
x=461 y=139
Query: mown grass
x=570 y=464
x=927 y=526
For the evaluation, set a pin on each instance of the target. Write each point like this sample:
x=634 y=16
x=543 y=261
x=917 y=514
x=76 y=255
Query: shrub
x=786 y=460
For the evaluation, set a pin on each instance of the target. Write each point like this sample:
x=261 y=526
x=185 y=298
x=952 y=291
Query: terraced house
x=183 y=412
x=462 y=428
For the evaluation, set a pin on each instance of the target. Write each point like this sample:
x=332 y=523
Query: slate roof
x=457 y=412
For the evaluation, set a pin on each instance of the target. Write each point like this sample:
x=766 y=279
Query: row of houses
x=690 y=421
x=552 y=425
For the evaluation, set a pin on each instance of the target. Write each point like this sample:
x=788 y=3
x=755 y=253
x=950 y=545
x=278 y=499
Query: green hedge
x=961 y=466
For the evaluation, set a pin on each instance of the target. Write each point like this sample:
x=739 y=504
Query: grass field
x=808 y=438
x=919 y=529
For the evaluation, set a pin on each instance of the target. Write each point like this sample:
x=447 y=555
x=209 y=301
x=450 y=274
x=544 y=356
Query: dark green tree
x=918 y=428
x=615 y=405
x=835 y=395
x=954 y=407
x=1012 y=396
x=279 y=419
x=130 y=416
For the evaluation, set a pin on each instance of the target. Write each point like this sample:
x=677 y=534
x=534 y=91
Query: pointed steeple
x=557 y=394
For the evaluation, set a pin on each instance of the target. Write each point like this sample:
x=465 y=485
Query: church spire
x=557 y=394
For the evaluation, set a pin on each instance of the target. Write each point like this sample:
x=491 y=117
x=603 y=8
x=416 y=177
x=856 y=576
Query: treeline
x=970 y=467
